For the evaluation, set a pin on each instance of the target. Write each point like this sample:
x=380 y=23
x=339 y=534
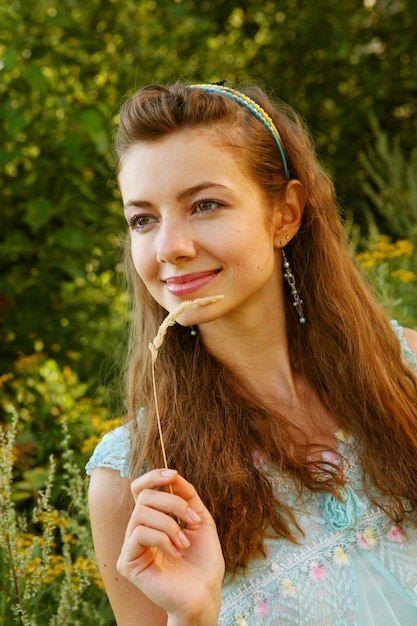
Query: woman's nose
x=174 y=243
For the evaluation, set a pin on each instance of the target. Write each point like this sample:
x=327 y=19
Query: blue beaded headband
x=255 y=109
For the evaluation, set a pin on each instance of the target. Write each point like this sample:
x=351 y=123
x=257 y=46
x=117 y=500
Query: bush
x=48 y=571
x=392 y=269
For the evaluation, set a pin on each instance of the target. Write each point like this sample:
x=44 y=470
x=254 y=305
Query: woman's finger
x=152 y=480
x=167 y=502
x=135 y=551
x=145 y=516
x=187 y=499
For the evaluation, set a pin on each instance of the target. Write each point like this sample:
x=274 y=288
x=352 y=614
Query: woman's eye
x=207 y=206
x=139 y=222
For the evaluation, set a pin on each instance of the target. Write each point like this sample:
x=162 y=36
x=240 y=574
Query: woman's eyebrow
x=182 y=195
x=137 y=203
x=196 y=188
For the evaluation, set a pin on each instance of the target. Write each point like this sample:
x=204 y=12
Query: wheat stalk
x=172 y=318
x=157 y=343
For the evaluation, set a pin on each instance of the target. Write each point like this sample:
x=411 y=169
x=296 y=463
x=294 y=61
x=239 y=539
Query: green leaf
x=16 y=243
x=38 y=212
x=72 y=238
x=71 y=146
x=17 y=123
x=91 y=121
x=8 y=157
x=9 y=59
x=36 y=477
x=71 y=268
x=34 y=76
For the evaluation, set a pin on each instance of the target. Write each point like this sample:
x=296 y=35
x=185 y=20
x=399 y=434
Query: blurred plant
x=47 y=569
x=392 y=269
x=391 y=184
x=48 y=572
x=45 y=396
x=65 y=65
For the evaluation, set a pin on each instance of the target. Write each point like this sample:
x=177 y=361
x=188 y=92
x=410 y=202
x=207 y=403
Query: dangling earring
x=288 y=275
x=193 y=331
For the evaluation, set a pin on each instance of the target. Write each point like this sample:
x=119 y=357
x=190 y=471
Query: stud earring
x=193 y=331
x=288 y=275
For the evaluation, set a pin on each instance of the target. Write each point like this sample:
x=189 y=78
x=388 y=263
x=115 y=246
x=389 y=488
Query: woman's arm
x=168 y=575
x=111 y=504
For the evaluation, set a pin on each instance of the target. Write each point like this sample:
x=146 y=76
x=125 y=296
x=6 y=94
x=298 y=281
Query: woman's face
x=201 y=227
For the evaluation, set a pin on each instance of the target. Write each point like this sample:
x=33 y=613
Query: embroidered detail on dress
x=259 y=458
x=261 y=607
x=345 y=512
x=317 y=572
x=340 y=557
x=288 y=589
x=366 y=539
x=330 y=457
x=343 y=435
x=296 y=578
x=395 y=534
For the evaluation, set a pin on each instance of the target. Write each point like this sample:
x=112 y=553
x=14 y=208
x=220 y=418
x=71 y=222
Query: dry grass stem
x=157 y=343
x=172 y=318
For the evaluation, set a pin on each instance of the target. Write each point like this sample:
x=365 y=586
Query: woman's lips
x=189 y=283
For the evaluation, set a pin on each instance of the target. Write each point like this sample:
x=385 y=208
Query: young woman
x=288 y=407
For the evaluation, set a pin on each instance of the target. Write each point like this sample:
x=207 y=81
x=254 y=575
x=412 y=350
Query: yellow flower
x=34 y=566
x=85 y=567
x=26 y=361
x=102 y=429
x=404 y=247
x=26 y=540
x=383 y=250
x=404 y=276
x=4 y=378
x=53 y=518
x=366 y=260
x=56 y=568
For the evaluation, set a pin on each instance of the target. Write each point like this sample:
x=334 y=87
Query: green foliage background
x=348 y=67
x=66 y=65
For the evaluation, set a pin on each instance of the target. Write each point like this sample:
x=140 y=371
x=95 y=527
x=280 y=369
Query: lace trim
x=113 y=452
x=322 y=575
x=409 y=355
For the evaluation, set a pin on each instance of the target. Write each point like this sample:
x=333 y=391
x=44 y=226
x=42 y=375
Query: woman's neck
x=257 y=353
x=260 y=358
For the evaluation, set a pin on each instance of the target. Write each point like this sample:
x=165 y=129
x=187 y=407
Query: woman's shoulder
x=411 y=338
x=408 y=340
x=113 y=452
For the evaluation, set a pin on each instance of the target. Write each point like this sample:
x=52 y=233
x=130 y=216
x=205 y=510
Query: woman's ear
x=290 y=213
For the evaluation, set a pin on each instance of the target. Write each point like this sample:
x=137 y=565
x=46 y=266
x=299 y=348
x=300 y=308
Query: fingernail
x=193 y=516
x=168 y=473
x=183 y=540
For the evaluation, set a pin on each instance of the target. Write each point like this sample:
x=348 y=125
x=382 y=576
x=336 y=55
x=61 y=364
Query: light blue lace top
x=352 y=567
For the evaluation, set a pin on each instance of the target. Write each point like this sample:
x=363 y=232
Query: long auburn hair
x=347 y=350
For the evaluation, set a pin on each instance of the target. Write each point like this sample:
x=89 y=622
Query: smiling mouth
x=189 y=283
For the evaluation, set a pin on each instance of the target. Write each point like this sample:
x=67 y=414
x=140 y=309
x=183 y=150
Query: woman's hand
x=180 y=570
